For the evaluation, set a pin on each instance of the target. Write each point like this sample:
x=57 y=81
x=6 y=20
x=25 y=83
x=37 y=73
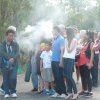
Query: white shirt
x=47 y=57
x=72 y=54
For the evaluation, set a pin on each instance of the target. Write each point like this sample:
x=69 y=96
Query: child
x=46 y=71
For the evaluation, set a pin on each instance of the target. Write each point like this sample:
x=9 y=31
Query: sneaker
x=88 y=94
x=55 y=95
x=51 y=92
x=82 y=93
x=39 y=91
x=62 y=96
x=6 y=96
x=14 y=95
x=75 y=96
x=45 y=91
x=70 y=95
x=2 y=92
x=34 y=90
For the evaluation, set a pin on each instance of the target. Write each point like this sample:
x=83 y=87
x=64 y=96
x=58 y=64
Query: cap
x=12 y=28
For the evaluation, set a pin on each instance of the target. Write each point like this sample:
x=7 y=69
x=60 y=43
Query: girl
x=85 y=63
x=69 y=60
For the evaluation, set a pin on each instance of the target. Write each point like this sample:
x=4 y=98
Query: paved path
x=25 y=94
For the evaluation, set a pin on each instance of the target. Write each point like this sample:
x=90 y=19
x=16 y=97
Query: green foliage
x=13 y=12
x=20 y=13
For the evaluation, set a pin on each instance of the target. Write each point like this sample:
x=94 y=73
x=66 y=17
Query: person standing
x=69 y=62
x=34 y=72
x=85 y=63
x=2 y=87
x=46 y=70
x=94 y=69
x=57 y=63
x=9 y=51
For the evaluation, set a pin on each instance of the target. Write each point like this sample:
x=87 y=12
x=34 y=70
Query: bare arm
x=92 y=56
x=61 y=57
x=72 y=46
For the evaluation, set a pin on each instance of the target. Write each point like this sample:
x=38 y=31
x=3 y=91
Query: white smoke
x=29 y=39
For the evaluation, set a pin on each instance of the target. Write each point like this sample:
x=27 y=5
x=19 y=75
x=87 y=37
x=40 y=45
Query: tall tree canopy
x=83 y=13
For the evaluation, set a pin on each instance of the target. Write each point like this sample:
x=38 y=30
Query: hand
x=60 y=64
x=11 y=60
x=90 y=65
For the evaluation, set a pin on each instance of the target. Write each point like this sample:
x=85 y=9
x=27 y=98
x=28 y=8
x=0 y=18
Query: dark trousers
x=94 y=70
x=58 y=78
x=10 y=80
x=85 y=78
x=68 y=72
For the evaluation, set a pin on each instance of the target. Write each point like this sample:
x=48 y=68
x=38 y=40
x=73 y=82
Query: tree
x=13 y=12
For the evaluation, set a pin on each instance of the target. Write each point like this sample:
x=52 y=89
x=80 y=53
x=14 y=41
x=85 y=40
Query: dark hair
x=70 y=34
x=10 y=31
x=90 y=35
x=49 y=43
x=56 y=29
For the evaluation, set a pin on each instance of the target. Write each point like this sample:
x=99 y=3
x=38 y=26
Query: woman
x=94 y=70
x=69 y=60
x=85 y=63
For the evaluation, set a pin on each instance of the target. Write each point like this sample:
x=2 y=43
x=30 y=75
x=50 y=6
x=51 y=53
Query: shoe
x=88 y=94
x=75 y=96
x=51 y=92
x=70 y=95
x=14 y=95
x=39 y=91
x=82 y=93
x=34 y=90
x=62 y=96
x=2 y=92
x=45 y=91
x=55 y=95
x=6 y=96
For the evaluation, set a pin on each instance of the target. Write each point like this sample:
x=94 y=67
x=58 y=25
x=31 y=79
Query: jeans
x=10 y=80
x=34 y=78
x=34 y=73
x=85 y=78
x=94 y=70
x=58 y=78
x=68 y=72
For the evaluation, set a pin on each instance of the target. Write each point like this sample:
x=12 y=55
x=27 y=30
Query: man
x=9 y=51
x=57 y=64
x=62 y=30
x=2 y=87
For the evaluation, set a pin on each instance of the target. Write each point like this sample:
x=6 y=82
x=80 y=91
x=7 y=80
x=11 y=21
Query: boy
x=9 y=51
x=46 y=70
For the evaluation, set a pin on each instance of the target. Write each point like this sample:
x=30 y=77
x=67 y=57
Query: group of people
x=53 y=64
x=56 y=60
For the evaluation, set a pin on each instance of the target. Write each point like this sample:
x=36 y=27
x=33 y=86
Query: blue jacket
x=6 y=56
